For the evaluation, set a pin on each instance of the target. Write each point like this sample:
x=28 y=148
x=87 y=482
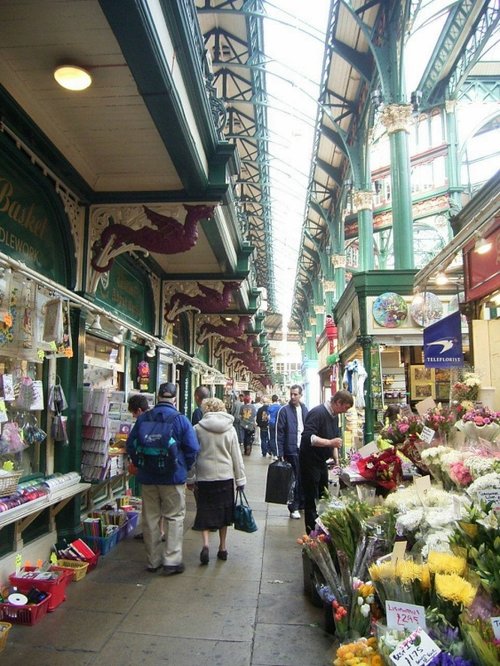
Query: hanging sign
x=443 y=343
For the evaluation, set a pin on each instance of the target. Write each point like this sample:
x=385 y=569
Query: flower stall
x=412 y=574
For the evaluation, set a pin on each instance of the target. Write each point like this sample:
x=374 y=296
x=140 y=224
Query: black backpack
x=156 y=448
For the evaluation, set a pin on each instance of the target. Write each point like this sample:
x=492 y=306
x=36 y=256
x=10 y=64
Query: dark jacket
x=188 y=447
x=319 y=422
x=263 y=418
x=196 y=416
x=287 y=428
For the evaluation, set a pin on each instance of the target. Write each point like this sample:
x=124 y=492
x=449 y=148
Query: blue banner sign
x=443 y=343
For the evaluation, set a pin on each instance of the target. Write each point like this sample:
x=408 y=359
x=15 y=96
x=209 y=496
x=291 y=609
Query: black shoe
x=204 y=556
x=170 y=570
x=222 y=555
x=153 y=569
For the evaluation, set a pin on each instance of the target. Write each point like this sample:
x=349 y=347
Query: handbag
x=243 y=516
x=279 y=482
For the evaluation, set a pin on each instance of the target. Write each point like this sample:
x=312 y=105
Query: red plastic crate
x=56 y=588
x=28 y=614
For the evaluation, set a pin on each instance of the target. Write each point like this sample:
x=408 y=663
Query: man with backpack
x=163 y=446
x=272 y=412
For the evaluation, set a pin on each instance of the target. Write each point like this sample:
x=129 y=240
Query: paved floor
x=248 y=611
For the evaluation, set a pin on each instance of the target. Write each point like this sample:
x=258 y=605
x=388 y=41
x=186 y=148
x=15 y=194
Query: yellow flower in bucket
x=445 y=563
x=455 y=589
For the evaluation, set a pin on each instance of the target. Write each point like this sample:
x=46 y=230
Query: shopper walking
x=200 y=393
x=163 y=446
x=321 y=435
x=289 y=427
x=218 y=467
x=248 y=413
x=235 y=411
x=272 y=411
x=263 y=425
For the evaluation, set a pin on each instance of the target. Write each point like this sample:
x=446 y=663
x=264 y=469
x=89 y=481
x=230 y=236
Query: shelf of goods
x=24 y=514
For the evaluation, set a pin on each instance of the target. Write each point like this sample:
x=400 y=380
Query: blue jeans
x=264 y=442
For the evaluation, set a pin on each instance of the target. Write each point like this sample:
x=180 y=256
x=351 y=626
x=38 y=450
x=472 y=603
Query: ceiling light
x=482 y=246
x=72 y=77
x=442 y=278
x=96 y=324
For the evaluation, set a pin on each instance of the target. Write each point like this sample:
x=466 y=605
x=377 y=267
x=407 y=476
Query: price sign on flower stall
x=490 y=495
x=495 y=623
x=427 y=434
x=416 y=650
x=404 y=616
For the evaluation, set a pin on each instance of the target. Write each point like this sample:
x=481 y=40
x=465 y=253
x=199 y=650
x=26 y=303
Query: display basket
x=55 y=588
x=5 y=627
x=77 y=569
x=28 y=614
x=102 y=545
x=8 y=483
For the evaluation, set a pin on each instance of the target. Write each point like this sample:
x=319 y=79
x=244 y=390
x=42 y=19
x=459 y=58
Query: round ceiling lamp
x=72 y=77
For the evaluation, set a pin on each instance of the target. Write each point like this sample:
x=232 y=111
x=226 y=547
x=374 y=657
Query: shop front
x=381 y=323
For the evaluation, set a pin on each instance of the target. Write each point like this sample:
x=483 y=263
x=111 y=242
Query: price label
x=427 y=434
x=53 y=558
x=422 y=484
x=457 y=508
x=321 y=524
x=404 y=616
x=19 y=562
x=495 y=623
x=398 y=551
x=416 y=650
x=490 y=495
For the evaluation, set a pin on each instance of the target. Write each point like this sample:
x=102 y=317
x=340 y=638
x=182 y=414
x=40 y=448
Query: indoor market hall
x=250 y=610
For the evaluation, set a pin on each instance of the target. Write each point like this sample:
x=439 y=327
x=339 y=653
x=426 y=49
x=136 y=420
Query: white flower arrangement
x=481 y=465
x=487 y=481
x=471 y=379
x=409 y=521
x=437 y=540
x=453 y=457
x=441 y=517
x=491 y=520
x=435 y=453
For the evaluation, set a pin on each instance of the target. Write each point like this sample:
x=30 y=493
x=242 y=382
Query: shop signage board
x=443 y=343
x=30 y=221
x=126 y=293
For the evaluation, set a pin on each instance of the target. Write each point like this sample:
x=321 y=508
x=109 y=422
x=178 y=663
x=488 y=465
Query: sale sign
x=416 y=650
x=404 y=616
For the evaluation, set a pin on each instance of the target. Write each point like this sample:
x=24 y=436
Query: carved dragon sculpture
x=227 y=330
x=209 y=300
x=166 y=236
x=240 y=346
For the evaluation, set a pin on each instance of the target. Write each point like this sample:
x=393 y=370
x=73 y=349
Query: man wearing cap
x=163 y=484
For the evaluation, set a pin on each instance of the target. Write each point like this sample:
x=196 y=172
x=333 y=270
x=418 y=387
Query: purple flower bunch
x=482 y=416
x=447 y=659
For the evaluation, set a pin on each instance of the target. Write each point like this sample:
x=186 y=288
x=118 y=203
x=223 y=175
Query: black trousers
x=314 y=478
x=296 y=501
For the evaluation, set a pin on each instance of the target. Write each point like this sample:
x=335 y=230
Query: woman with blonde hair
x=218 y=467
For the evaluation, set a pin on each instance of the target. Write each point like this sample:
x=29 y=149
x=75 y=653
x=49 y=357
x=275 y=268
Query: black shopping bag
x=279 y=481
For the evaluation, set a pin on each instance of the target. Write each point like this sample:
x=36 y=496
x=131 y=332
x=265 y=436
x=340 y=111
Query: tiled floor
x=248 y=611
